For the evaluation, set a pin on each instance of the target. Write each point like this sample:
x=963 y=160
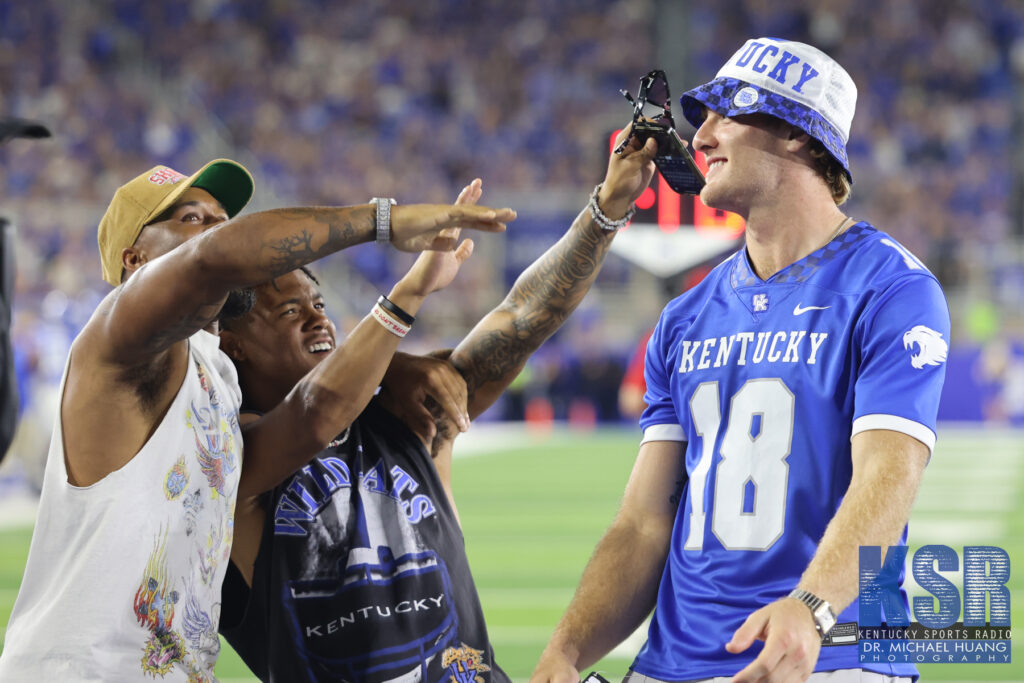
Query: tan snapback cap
x=148 y=195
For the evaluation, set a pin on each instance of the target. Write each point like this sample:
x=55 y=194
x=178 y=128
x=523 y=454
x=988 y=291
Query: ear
x=797 y=139
x=132 y=258
x=231 y=344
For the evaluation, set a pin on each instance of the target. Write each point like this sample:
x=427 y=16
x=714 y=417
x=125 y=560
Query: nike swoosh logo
x=798 y=310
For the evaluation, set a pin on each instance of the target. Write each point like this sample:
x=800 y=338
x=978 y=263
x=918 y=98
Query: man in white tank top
x=137 y=510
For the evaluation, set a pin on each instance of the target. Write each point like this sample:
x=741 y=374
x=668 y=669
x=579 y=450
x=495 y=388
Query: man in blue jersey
x=792 y=403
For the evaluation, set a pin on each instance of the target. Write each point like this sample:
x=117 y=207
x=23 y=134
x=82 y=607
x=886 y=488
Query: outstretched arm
x=494 y=352
x=133 y=349
x=172 y=297
x=327 y=399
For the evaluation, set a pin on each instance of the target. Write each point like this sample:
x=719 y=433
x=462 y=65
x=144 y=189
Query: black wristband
x=395 y=310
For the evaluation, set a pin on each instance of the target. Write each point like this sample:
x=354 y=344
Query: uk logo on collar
x=760 y=302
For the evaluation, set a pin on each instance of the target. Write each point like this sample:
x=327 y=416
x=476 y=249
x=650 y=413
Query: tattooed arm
x=494 y=352
x=133 y=352
x=170 y=297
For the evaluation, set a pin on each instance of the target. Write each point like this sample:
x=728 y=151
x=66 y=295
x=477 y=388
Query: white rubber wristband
x=390 y=324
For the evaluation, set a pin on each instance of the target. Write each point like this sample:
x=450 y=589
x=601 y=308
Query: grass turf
x=533 y=514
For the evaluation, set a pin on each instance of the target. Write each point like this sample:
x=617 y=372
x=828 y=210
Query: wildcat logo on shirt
x=464 y=663
x=752 y=348
x=931 y=347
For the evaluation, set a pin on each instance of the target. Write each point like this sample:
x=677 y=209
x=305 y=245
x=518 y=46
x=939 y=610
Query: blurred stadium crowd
x=332 y=103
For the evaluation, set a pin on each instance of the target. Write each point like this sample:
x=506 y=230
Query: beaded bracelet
x=605 y=223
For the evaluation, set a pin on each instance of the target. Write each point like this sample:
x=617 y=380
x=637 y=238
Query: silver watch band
x=821 y=611
x=384 y=205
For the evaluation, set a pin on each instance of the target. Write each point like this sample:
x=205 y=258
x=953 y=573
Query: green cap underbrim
x=228 y=183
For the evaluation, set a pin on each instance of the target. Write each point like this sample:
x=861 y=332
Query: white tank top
x=123 y=577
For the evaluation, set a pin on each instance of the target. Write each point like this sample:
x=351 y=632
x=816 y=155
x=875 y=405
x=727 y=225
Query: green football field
x=534 y=506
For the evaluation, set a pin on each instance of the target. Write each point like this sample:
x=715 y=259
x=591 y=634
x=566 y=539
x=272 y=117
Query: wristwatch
x=821 y=611
x=384 y=205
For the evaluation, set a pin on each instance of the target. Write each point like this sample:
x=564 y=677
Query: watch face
x=824 y=618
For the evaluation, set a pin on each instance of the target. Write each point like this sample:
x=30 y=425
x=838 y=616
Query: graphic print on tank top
x=374 y=601
x=191 y=641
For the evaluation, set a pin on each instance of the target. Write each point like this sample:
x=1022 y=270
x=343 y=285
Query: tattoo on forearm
x=492 y=357
x=677 y=494
x=297 y=248
x=184 y=327
x=540 y=301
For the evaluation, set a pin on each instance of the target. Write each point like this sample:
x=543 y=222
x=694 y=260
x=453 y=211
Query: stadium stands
x=338 y=102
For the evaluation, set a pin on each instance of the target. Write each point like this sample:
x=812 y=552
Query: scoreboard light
x=660 y=205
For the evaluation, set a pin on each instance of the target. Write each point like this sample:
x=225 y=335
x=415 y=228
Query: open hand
x=419 y=227
x=435 y=269
x=791 y=643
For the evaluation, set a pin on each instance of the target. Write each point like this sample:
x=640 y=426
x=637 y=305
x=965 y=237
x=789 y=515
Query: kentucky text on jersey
x=373 y=612
x=311 y=491
x=760 y=57
x=793 y=346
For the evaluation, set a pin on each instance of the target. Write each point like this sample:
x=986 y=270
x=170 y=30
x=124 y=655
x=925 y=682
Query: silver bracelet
x=384 y=205
x=605 y=223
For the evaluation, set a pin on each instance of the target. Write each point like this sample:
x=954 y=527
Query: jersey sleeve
x=660 y=421
x=903 y=340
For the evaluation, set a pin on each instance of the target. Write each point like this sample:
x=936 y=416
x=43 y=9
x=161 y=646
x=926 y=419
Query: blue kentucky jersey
x=767 y=381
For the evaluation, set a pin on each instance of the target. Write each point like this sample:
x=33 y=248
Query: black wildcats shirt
x=362 y=572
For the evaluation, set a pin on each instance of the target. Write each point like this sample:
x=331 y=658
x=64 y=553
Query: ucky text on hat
x=793 y=81
x=145 y=197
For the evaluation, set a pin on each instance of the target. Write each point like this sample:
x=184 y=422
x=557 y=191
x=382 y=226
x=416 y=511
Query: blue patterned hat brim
x=718 y=96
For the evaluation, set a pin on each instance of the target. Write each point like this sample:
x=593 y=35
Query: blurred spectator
x=338 y=102
x=633 y=386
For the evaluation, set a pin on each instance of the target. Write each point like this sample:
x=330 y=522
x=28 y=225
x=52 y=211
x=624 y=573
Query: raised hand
x=419 y=227
x=629 y=173
x=435 y=269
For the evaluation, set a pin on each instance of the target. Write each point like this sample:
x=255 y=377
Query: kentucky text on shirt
x=373 y=612
x=785 y=346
